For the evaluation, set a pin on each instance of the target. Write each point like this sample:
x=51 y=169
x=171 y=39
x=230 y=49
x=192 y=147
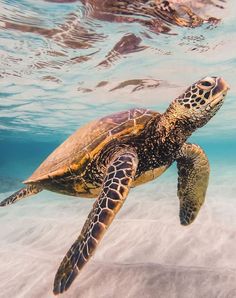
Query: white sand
x=145 y=253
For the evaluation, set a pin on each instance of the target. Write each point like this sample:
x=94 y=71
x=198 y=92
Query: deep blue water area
x=19 y=158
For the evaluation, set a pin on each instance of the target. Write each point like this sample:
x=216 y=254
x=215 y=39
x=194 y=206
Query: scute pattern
x=20 y=194
x=115 y=191
x=193 y=171
x=79 y=149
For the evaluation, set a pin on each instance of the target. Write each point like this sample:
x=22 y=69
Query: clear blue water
x=49 y=88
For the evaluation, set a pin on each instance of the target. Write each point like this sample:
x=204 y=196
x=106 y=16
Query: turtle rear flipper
x=20 y=194
x=118 y=179
x=193 y=170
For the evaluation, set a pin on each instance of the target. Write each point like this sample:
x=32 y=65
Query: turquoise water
x=50 y=86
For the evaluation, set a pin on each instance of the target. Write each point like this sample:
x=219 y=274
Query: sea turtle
x=107 y=157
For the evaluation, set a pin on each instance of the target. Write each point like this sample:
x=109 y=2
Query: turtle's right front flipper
x=20 y=194
x=193 y=169
x=119 y=176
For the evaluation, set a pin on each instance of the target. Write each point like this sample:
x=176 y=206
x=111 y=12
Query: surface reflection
x=81 y=33
x=55 y=55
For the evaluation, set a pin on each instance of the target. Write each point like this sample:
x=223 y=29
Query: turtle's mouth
x=221 y=89
x=218 y=99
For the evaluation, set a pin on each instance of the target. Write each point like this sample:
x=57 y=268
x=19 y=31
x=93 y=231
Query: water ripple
x=56 y=56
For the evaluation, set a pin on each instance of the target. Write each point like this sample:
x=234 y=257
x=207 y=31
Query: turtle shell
x=81 y=147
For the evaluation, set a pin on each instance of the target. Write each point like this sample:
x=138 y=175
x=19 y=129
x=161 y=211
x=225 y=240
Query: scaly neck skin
x=175 y=126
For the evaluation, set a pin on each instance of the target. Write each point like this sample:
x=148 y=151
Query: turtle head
x=202 y=100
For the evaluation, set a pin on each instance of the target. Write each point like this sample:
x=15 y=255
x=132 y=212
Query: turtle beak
x=224 y=85
x=219 y=92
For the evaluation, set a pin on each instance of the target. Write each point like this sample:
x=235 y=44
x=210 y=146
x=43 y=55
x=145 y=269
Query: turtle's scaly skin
x=31 y=189
x=193 y=171
x=108 y=156
x=104 y=210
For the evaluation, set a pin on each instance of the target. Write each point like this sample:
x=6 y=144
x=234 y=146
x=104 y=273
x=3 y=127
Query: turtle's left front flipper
x=119 y=176
x=193 y=170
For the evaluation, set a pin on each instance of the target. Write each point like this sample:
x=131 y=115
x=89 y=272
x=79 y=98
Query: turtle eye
x=206 y=84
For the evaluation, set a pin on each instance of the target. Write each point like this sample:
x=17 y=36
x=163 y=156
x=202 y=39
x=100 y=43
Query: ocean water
x=58 y=72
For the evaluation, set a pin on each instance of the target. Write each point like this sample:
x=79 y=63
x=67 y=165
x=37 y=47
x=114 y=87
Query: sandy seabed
x=145 y=253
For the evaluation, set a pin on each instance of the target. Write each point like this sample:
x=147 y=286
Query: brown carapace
x=107 y=157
